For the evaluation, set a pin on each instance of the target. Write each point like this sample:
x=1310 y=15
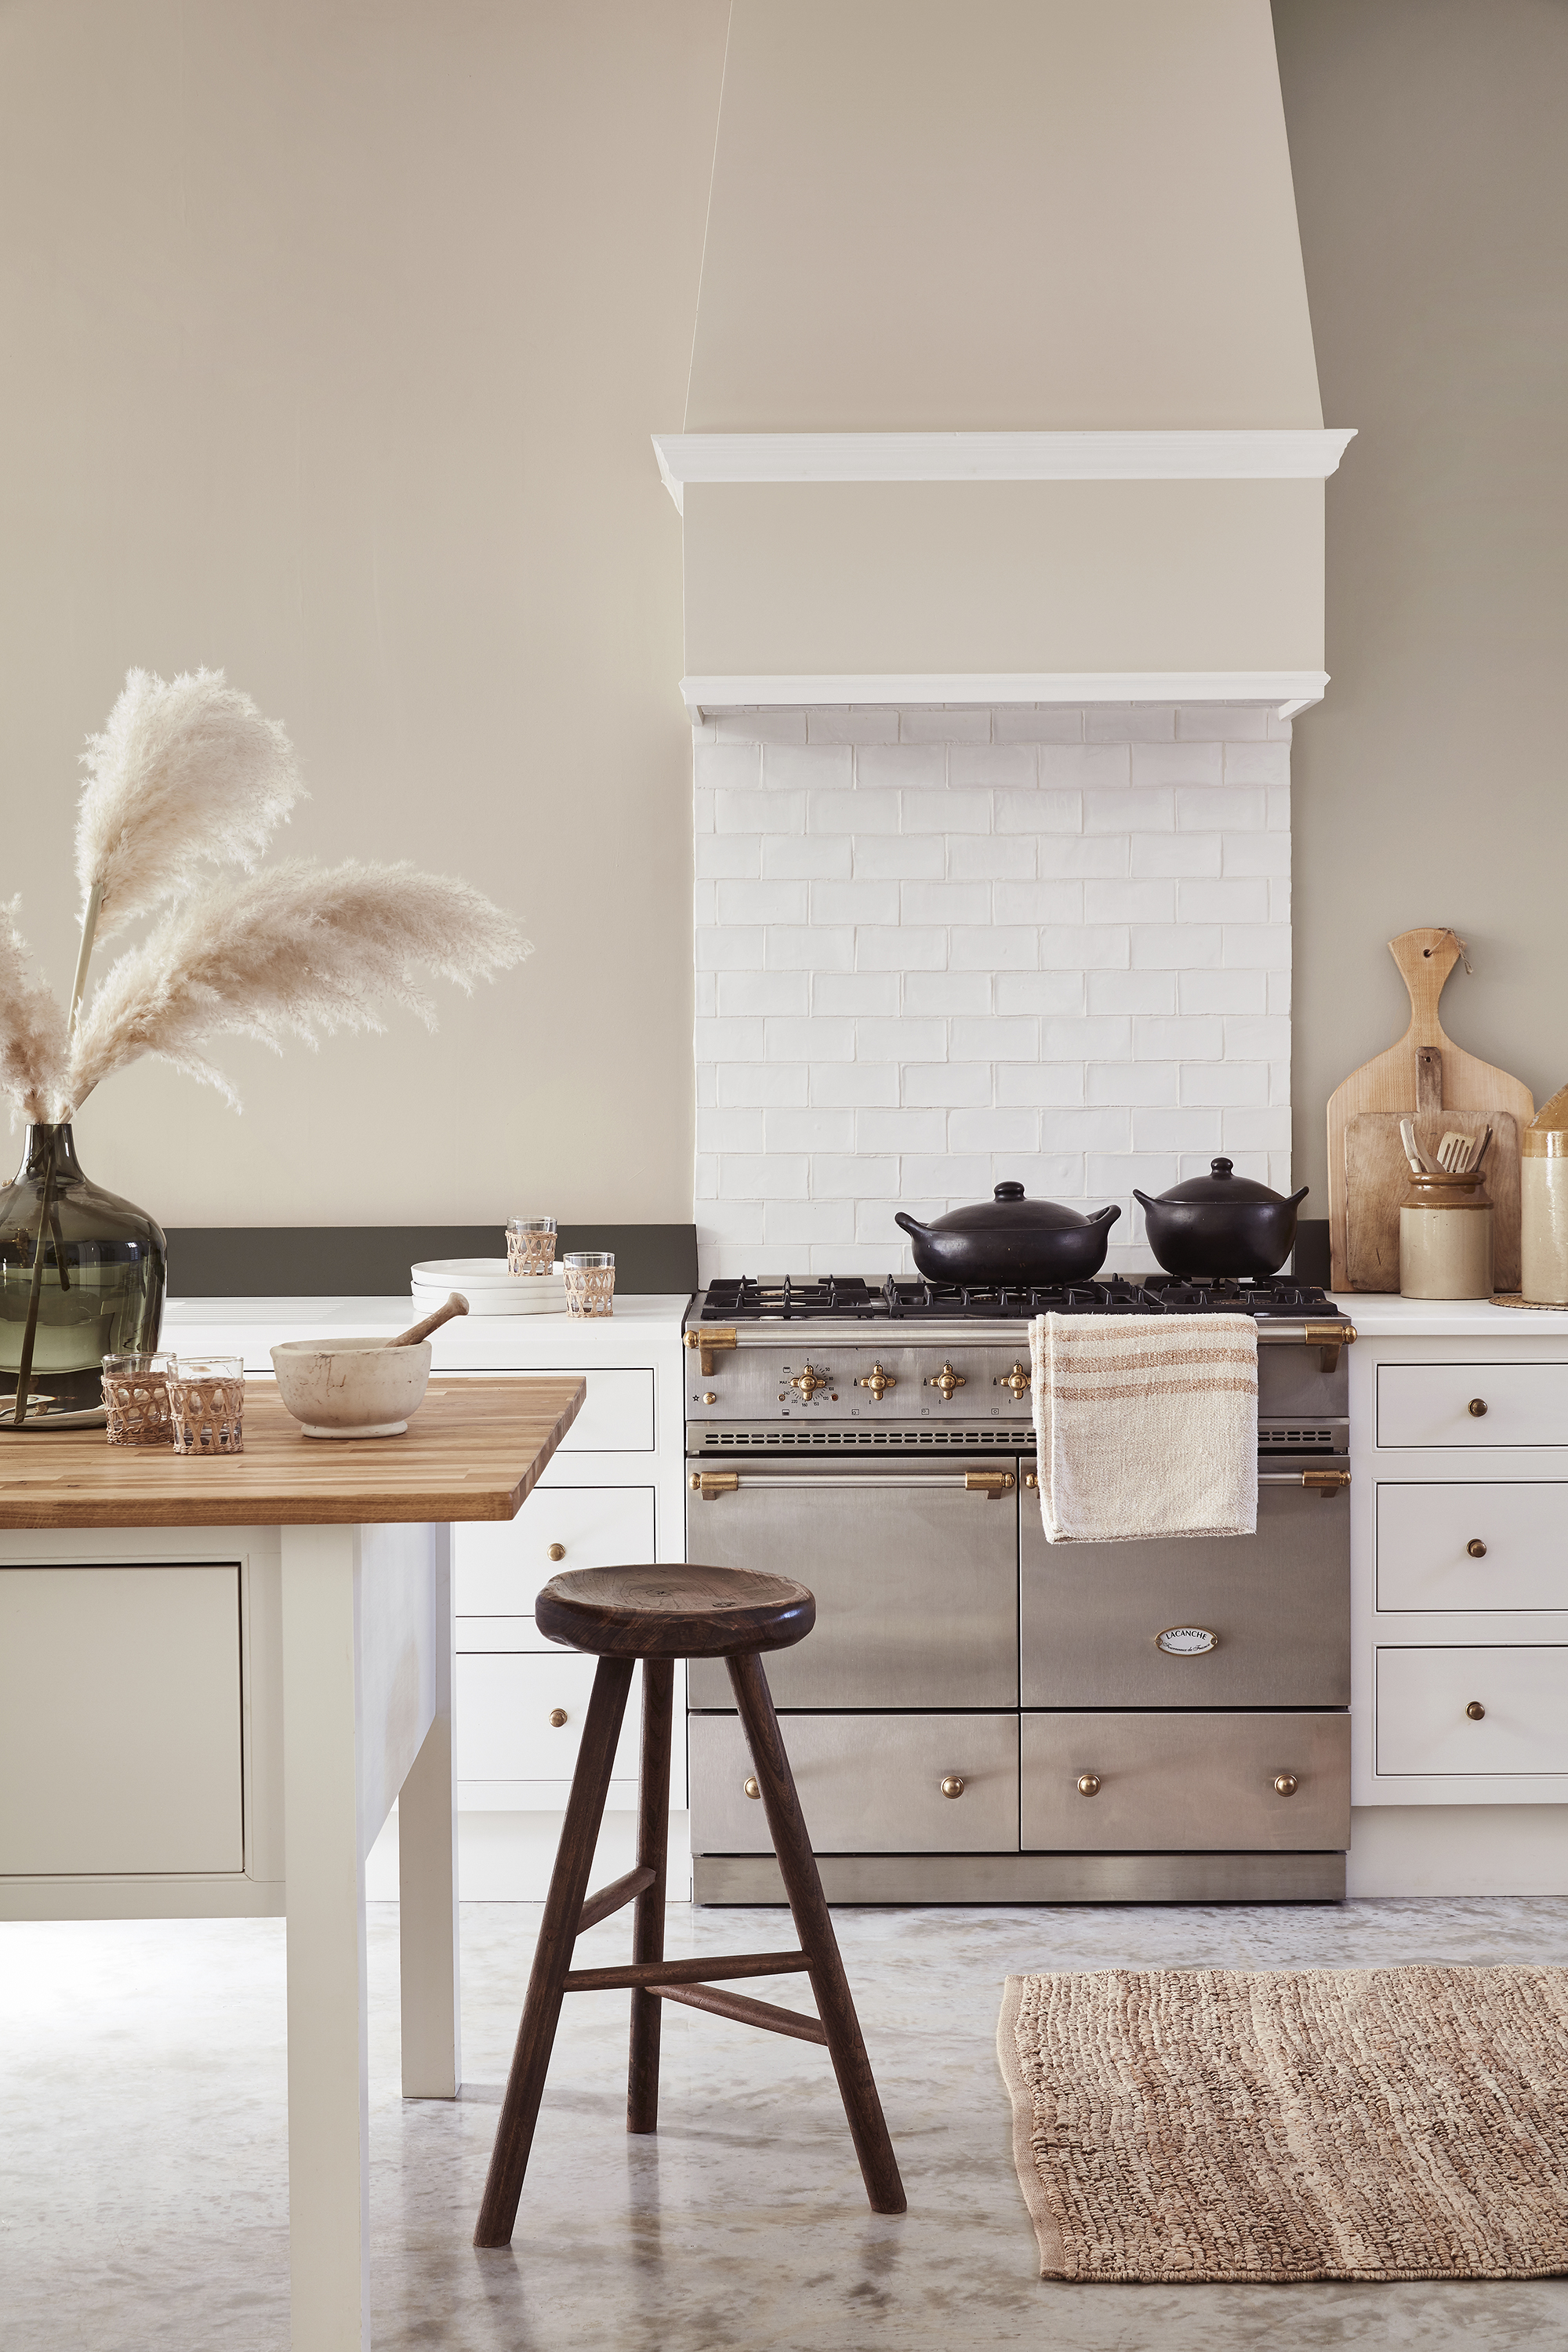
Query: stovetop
x=909 y=1299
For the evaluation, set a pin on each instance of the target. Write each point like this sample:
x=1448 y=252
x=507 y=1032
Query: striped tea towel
x=1145 y=1425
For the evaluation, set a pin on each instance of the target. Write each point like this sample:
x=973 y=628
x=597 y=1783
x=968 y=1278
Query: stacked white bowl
x=487 y=1286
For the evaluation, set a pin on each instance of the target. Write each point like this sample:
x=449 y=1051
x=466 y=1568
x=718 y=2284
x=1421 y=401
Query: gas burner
x=747 y=1300
x=909 y=1300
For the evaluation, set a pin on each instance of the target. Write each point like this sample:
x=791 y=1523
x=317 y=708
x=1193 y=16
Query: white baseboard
x=1459 y=1849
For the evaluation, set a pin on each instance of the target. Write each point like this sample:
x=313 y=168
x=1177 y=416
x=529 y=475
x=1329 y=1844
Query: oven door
x=914 y=1566
x=1277 y=1604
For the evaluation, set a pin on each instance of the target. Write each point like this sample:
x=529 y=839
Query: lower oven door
x=914 y=1566
x=867 y=1783
x=1276 y=1604
x=1106 y=1783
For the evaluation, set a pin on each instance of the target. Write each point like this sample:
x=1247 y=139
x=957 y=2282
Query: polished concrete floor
x=142 y=2178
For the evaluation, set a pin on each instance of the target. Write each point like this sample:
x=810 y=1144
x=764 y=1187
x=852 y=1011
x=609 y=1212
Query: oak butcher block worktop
x=474 y=1449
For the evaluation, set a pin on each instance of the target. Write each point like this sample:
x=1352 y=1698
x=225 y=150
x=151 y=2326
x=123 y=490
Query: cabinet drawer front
x=617 y=1411
x=867 y=1783
x=1424 y=1533
x=504 y=1705
x=1278 y=1603
x=1429 y=1404
x=1423 y=1694
x=1184 y=1783
x=499 y=1566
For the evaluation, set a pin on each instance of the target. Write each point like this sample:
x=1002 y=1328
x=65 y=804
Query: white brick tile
x=1265 y=1040
x=906 y=767
x=1220 y=722
x=907 y=949
x=1129 y=722
x=816 y=1129
x=1278 y=808
x=954 y=1177
x=993 y=947
x=1222 y=991
x=1083 y=767
x=1176 y=947
x=728 y=1130
x=763 y=902
x=1222 y=1085
x=1280 y=900
x=944 y=726
x=819 y=1039
x=1040 y=724
x=1105 y=1038
x=1101 y=856
x=945 y=902
x=883 y=856
x=857 y=722
x=807 y=767
x=853 y=813
x=731 y=1221
x=1177 y=763
x=1279 y=1083
x=947 y=991
x=853 y=1177
x=1280 y=991
x=1069 y=1129
x=874 y=1226
x=853 y=1258
x=1184 y=1039
x=957 y=1084
x=738 y=949
x=1151 y=1171
x=987 y=857
x=728 y=1041
x=854 y=992
x=1046 y=1085
x=995 y=1131
x=1038 y=902
x=1039 y=992
x=1129 y=902
x=1038 y=812
x=946 y=812
x=728 y=857
x=852 y=1084
x=999 y=1038
x=763 y=1176
x=704 y=1004
x=1048 y=1175
x=704 y=902
x=1257 y=853
x=905 y=1040
x=727 y=767
x=1130 y=812
x=1131 y=1082
x=761 y=1083
x=1088 y=947
x=1257 y=1130
x=902 y=1130
x=1280 y=730
x=787 y=859
x=1176 y=854
x=764 y=992
x=1175 y=1130
x=1221 y=808
x=702 y=813
x=1131 y=991
x=854 y=902
x=995 y=766
x=795 y=947
x=1257 y=763
x=794 y=1259
x=755 y=812
x=761 y=726
x=812 y=1223
x=1237 y=900
x=1263 y=947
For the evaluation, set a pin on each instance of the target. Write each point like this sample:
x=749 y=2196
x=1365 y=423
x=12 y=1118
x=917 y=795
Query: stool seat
x=674 y=1611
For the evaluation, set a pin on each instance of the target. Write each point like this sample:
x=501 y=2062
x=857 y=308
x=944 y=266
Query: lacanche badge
x=1186 y=1641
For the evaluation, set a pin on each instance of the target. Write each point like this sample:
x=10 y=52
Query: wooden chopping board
x=1424 y=1076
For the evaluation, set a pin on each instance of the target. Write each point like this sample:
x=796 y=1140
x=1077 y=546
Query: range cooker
x=981 y=1716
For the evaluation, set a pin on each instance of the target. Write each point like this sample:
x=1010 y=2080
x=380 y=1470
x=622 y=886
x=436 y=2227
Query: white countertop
x=1383 y=1315
x=249 y=1327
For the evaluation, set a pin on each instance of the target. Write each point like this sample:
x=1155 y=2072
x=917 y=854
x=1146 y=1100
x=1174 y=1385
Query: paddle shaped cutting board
x=1425 y=1072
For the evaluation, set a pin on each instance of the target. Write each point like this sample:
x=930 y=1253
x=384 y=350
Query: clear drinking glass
x=590 y=1282
x=136 y=1399
x=206 y=1404
x=530 y=1244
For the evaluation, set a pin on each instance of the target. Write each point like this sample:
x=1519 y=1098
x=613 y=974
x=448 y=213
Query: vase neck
x=40 y=1137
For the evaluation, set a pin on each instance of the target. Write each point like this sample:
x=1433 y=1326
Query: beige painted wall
x=1001 y=214
x=333 y=335
x=1427 y=141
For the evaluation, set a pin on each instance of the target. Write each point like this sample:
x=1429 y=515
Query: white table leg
x=427 y=1874
x=329 y=2094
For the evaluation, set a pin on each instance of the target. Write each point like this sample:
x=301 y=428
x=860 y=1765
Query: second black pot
x=1221 y=1224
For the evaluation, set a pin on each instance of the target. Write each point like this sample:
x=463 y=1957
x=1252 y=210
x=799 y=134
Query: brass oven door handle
x=709 y=1342
x=1324 y=1483
x=1328 y=1338
x=990 y=1483
x=709 y=1482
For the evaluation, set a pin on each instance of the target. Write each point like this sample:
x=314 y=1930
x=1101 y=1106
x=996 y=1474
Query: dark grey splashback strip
x=372 y=1261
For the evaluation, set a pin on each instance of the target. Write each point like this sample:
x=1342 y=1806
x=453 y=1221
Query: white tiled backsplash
x=936 y=948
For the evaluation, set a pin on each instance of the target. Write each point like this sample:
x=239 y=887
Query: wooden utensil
x=1426 y=1073
x=456 y=1304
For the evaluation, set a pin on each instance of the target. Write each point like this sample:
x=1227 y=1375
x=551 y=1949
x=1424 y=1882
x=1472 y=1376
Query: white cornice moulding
x=1287 y=691
x=1294 y=453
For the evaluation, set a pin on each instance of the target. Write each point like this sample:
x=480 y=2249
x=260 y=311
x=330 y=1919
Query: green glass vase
x=81 y=1277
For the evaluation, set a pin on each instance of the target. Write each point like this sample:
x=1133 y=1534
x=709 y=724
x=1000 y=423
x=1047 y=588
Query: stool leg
x=552 y=1956
x=647 y=1919
x=835 y=2003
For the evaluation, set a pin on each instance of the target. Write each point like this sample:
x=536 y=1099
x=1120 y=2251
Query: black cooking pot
x=1010 y=1240
x=1221 y=1224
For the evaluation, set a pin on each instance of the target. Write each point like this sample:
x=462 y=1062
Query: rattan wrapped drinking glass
x=136 y=1399
x=530 y=1244
x=206 y=1404
x=590 y=1276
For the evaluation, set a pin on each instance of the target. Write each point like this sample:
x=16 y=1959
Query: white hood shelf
x=1285 y=692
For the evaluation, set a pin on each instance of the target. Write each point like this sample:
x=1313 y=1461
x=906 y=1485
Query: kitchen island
x=216 y=1677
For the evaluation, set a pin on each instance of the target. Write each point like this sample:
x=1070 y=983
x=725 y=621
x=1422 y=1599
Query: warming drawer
x=1109 y=1782
x=867 y=1783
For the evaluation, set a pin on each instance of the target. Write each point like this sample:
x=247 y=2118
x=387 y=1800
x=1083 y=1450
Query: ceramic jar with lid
x=1544 y=1205
x=1445 y=1236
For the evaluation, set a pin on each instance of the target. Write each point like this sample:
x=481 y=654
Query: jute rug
x=1298 y=2124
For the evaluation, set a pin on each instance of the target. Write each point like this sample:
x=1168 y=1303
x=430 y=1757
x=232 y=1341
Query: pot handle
x=911 y=1224
x=1105 y=1217
x=1297 y=1198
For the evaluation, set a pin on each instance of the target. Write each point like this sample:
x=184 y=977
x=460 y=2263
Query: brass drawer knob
x=750 y=1788
x=1478 y=1406
x=1475 y=1710
x=556 y=1551
x=1285 y=1784
x=1476 y=1548
x=952 y=1785
x=1088 y=1784
x=557 y=1716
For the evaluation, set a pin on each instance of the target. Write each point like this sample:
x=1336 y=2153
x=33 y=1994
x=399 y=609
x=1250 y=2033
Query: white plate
x=524 y=1295
x=470 y=1274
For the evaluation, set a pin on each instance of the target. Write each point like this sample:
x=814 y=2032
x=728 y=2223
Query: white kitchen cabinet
x=1483 y=1404
x=1475 y=1545
x=512 y=1752
x=498 y=1570
x=1479 y=1708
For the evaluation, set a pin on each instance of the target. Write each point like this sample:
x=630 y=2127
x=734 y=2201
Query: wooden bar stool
x=659 y=1614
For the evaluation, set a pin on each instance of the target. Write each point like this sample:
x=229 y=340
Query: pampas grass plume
x=32 y=1026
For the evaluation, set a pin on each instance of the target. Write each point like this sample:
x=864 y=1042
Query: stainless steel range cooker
x=981 y=1716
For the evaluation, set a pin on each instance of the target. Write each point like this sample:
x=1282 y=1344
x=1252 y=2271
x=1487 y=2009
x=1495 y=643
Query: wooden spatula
x=456 y=1304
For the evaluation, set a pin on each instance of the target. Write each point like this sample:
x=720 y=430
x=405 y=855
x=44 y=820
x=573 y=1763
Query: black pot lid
x=1008 y=1213
x=1222 y=1185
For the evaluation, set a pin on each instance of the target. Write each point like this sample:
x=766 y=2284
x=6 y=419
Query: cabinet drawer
x=1429 y=1404
x=504 y=1704
x=1184 y=1783
x=1422 y=1693
x=867 y=1783
x=499 y=1565
x=1426 y=1534
x=617 y=1415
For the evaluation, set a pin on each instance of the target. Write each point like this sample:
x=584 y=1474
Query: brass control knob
x=750 y=1788
x=709 y=1396
x=1285 y=1784
x=947 y=1379
x=1088 y=1784
x=877 y=1382
x=1017 y=1379
x=1478 y=1406
x=809 y=1382
x=1475 y=1710
x=557 y=1716
x=1476 y=1548
x=953 y=1786
x=556 y=1551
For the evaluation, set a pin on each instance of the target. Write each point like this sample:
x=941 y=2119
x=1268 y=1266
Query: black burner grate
x=846 y=1298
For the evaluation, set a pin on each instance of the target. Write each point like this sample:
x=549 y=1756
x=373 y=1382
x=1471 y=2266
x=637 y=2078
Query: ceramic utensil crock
x=1445 y=1236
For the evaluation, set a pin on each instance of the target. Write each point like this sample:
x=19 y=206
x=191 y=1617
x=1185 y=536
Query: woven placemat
x=1536 y=1306
x=1190 y=2124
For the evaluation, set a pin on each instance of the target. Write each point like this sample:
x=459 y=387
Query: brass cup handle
x=1088 y=1784
x=1478 y=1407
x=556 y=1551
x=1476 y=1548
x=557 y=1716
x=748 y=1788
x=1285 y=1784
x=1475 y=1710
x=952 y=1785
